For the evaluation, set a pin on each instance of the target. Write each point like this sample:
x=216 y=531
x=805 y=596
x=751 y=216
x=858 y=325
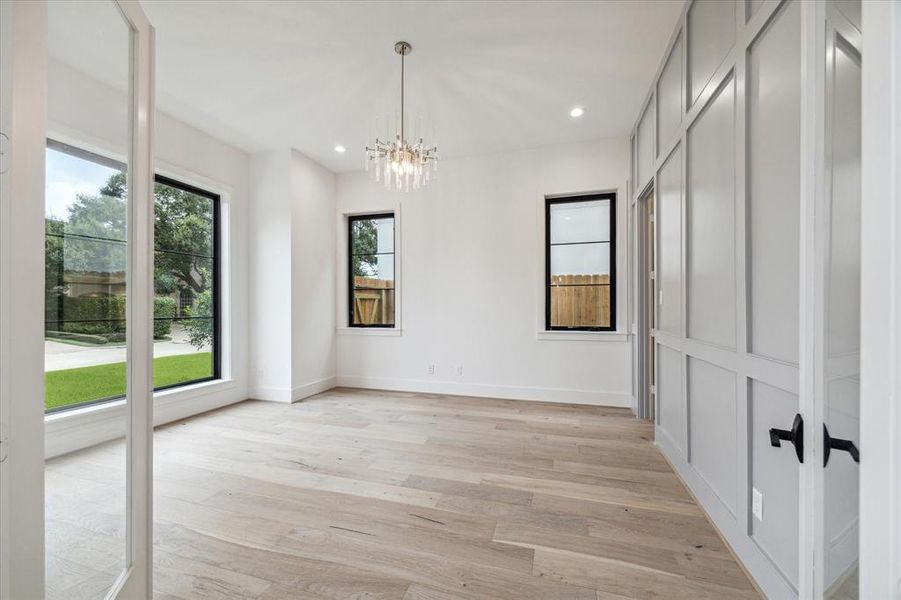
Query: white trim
x=23 y=113
x=582 y=336
x=370 y=331
x=621 y=266
x=880 y=386
x=136 y=581
x=556 y=395
x=295 y=394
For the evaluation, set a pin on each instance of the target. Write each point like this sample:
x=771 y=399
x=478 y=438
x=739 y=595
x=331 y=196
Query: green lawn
x=72 y=386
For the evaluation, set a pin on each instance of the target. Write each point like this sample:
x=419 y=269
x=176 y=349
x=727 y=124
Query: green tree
x=183 y=234
x=200 y=331
x=365 y=245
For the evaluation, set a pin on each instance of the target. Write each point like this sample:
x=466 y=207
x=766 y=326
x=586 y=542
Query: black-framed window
x=370 y=268
x=580 y=263
x=85 y=280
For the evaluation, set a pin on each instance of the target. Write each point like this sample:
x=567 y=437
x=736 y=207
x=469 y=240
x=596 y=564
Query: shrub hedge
x=105 y=316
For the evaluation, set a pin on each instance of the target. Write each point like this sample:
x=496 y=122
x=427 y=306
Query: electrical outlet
x=757 y=503
x=459 y=370
x=432 y=369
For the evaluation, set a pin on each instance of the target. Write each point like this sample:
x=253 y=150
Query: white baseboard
x=566 y=396
x=761 y=569
x=311 y=389
x=270 y=394
x=295 y=394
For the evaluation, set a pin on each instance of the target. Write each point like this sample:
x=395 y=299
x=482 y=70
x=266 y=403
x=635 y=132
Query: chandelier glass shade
x=395 y=161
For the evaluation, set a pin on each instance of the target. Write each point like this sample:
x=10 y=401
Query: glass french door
x=77 y=253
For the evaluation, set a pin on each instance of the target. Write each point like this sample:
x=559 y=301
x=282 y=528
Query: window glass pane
x=374 y=266
x=580 y=273
x=587 y=221
x=373 y=306
x=184 y=279
x=85 y=280
x=580 y=306
x=184 y=221
x=184 y=352
x=372 y=271
x=373 y=236
x=581 y=259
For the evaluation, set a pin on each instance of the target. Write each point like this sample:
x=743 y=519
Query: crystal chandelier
x=406 y=164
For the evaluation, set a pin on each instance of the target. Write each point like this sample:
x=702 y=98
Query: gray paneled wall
x=669 y=226
x=774 y=186
x=710 y=223
x=726 y=169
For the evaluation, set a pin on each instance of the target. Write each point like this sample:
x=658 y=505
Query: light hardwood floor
x=360 y=494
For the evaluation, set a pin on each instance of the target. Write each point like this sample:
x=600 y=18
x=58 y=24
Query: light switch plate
x=757 y=503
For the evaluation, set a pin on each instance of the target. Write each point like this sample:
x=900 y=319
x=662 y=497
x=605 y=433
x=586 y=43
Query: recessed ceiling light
x=340 y=148
x=576 y=112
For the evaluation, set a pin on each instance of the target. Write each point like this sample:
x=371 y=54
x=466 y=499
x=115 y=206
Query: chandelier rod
x=402 y=48
x=402 y=55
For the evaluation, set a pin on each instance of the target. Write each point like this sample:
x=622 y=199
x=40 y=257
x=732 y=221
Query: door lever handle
x=795 y=435
x=830 y=443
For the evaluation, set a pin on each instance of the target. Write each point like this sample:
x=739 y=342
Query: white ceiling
x=486 y=76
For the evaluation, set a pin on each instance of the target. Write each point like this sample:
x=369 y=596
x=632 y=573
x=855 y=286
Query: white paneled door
x=47 y=48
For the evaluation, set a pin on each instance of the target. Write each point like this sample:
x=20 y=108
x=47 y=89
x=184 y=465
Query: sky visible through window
x=67 y=177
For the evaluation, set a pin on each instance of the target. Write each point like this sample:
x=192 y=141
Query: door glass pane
x=86 y=292
x=841 y=387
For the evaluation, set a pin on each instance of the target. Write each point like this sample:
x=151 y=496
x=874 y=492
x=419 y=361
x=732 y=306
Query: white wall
x=292 y=279
x=269 y=277
x=313 y=277
x=470 y=254
x=191 y=156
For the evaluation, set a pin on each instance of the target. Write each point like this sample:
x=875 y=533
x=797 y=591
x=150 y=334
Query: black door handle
x=795 y=435
x=830 y=443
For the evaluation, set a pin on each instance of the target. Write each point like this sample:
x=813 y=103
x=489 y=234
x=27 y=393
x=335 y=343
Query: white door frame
x=880 y=417
x=24 y=113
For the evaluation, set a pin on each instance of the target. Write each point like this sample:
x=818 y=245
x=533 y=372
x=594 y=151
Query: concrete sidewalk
x=58 y=356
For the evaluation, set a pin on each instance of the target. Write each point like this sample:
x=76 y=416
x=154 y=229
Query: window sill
x=115 y=408
x=582 y=336
x=78 y=428
x=371 y=331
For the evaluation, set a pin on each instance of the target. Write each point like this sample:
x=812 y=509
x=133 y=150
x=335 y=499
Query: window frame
x=217 y=277
x=87 y=155
x=350 y=270
x=550 y=201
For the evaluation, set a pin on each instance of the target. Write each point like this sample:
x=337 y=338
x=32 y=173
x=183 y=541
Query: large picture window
x=85 y=280
x=371 y=270
x=580 y=256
